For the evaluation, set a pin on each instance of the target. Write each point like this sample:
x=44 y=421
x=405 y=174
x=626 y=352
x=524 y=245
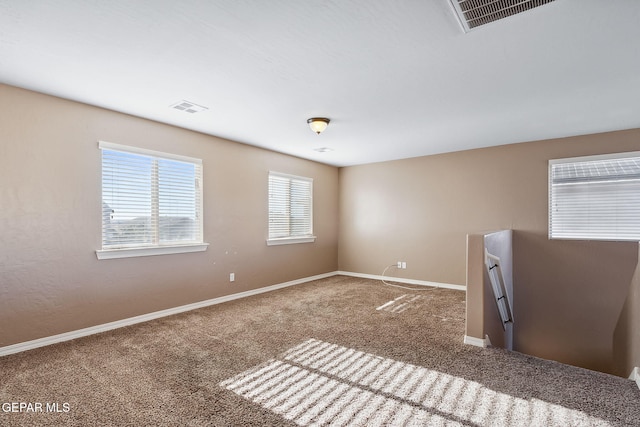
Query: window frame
x=615 y=178
x=291 y=239
x=156 y=248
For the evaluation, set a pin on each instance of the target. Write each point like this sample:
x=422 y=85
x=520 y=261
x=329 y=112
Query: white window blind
x=149 y=199
x=290 y=207
x=595 y=197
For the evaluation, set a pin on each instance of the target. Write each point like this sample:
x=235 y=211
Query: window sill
x=290 y=240
x=158 y=250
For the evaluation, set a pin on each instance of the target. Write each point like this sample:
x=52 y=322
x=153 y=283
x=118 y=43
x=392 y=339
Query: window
x=290 y=209
x=151 y=202
x=595 y=197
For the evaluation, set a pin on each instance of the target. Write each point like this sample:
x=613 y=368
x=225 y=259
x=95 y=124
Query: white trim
x=144 y=151
x=402 y=280
x=67 y=336
x=459 y=14
x=156 y=250
x=606 y=227
x=289 y=176
x=290 y=240
x=609 y=156
x=635 y=376
x=478 y=342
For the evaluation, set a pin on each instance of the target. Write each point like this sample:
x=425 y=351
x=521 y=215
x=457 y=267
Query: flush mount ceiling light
x=318 y=124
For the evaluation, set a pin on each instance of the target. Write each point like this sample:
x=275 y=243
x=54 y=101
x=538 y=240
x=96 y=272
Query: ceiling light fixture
x=318 y=124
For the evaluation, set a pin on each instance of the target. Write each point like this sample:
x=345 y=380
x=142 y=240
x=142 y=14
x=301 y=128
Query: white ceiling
x=397 y=78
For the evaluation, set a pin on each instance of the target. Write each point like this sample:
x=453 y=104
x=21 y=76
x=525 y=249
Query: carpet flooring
x=338 y=351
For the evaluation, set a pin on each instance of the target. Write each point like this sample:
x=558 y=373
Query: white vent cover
x=188 y=107
x=474 y=13
x=322 y=149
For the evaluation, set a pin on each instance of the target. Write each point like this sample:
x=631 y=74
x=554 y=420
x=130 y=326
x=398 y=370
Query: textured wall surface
x=567 y=294
x=50 y=217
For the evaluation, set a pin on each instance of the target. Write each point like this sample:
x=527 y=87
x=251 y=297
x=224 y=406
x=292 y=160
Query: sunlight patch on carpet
x=400 y=304
x=319 y=383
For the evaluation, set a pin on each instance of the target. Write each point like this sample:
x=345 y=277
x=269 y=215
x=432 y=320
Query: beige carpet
x=339 y=351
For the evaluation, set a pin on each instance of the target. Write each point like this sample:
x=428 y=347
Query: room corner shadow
x=626 y=336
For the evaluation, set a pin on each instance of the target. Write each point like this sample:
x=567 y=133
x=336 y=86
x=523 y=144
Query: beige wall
x=626 y=345
x=475 y=303
x=50 y=279
x=567 y=294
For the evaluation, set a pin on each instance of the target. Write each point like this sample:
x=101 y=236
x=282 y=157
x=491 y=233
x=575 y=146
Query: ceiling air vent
x=322 y=149
x=188 y=107
x=475 y=13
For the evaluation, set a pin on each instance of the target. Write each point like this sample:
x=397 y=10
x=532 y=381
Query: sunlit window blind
x=149 y=198
x=290 y=206
x=596 y=197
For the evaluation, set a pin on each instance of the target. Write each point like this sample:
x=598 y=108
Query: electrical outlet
x=404 y=265
x=232 y=277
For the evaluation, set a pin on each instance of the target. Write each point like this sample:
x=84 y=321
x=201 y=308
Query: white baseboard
x=67 y=336
x=401 y=280
x=478 y=342
x=635 y=375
